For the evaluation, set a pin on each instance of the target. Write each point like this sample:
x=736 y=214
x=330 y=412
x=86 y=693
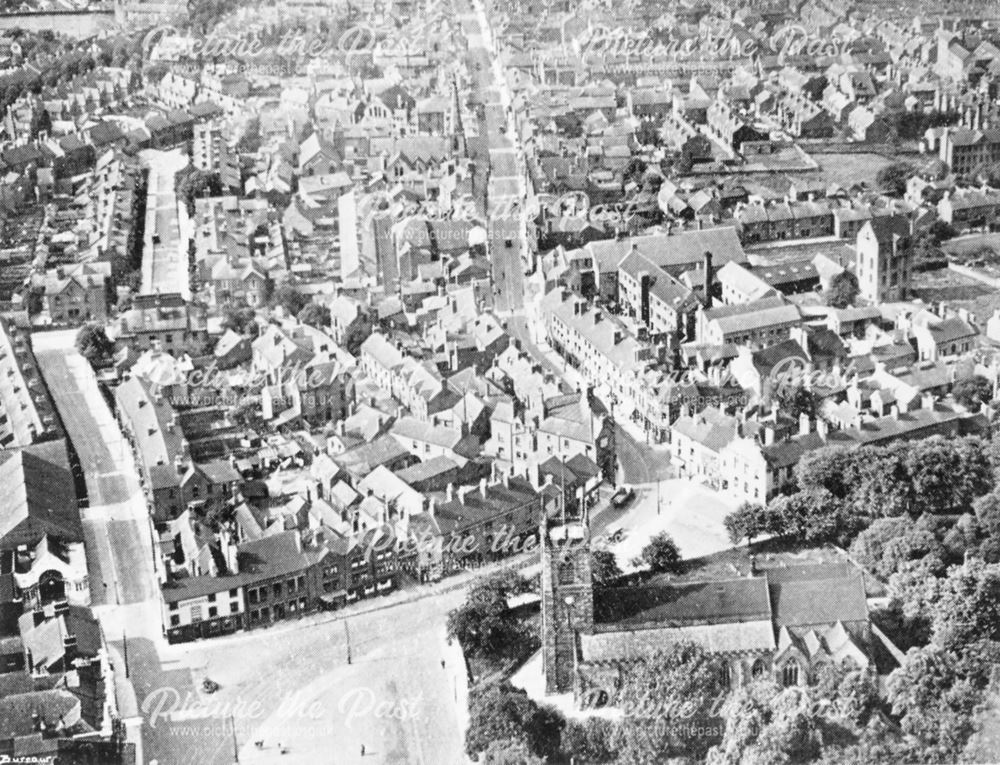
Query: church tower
x=567 y=594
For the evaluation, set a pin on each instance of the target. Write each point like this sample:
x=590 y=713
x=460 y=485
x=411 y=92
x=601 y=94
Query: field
x=848 y=169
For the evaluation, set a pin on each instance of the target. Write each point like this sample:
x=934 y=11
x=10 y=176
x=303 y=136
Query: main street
x=505 y=193
x=117 y=533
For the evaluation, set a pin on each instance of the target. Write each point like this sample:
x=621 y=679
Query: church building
x=780 y=620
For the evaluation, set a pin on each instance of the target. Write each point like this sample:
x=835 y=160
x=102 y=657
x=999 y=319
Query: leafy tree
x=973 y=391
x=747 y=521
x=510 y=752
x=604 y=567
x=589 y=740
x=888 y=543
x=797 y=400
x=661 y=554
x=681 y=685
x=500 y=712
x=192 y=183
x=484 y=624
x=988 y=526
x=251 y=140
x=935 y=705
x=827 y=469
x=843 y=290
x=947 y=475
x=94 y=345
x=239 y=317
x=634 y=170
x=941 y=231
x=315 y=315
x=967 y=607
x=892 y=178
x=289 y=298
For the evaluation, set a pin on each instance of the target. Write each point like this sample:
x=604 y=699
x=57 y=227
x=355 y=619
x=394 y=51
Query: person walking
x=362 y=750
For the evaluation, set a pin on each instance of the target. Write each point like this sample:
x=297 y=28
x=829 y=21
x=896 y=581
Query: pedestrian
x=442 y=663
x=362 y=750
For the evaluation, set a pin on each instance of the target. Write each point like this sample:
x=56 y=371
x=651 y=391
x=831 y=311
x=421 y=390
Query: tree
x=967 y=607
x=251 y=140
x=843 y=290
x=682 y=685
x=502 y=713
x=633 y=172
x=935 y=705
x=971 y=392
x=747 y=521
x=93 y=344
x=484 y=624
x=796 y=400
x=239 y=317
x=604 y=567
x=947 y=475
x=892 y=178
x=662 y=555
x=289 y=298
x=589 y=740
x=315 y=315
x=988 y=526
x=888 y=543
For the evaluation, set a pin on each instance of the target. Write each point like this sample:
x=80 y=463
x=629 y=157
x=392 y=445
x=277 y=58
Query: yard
x=847 y=169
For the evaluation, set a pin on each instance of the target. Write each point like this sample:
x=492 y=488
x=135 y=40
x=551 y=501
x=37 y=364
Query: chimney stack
x=708 y=279
x=451 y=492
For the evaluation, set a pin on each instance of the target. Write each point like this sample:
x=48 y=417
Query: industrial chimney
x=708 y=279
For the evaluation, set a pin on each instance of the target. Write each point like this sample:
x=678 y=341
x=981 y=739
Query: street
x=505 y=195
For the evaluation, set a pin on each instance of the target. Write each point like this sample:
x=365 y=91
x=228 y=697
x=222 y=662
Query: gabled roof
x=39 y=497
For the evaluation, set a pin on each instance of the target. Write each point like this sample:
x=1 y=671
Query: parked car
x=623 y=496
x=616 y=534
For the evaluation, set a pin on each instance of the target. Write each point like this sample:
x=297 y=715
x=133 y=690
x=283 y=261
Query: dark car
x=622 y=497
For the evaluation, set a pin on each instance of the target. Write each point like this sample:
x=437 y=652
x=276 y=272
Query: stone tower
x=567 y=596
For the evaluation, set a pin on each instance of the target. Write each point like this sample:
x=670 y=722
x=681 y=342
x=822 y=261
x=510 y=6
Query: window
x=252 y=595
x=725 y=676
x=175 y=621
x=277 y=589
x=790 y=675
x=234 y=606
x=233 y=593
x=211 y=598
x=758 y=668
x=567 y=572
x=213 y=611
x=173 y=606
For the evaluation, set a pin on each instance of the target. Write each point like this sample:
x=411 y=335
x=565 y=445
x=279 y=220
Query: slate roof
x=673 y=251
x=796 y=604
x=727 y=601
x=39 y=498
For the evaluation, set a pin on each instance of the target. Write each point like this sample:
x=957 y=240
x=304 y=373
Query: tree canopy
x=661 y=554
x=484 y=624
x=94 y=345
x=843 y=290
